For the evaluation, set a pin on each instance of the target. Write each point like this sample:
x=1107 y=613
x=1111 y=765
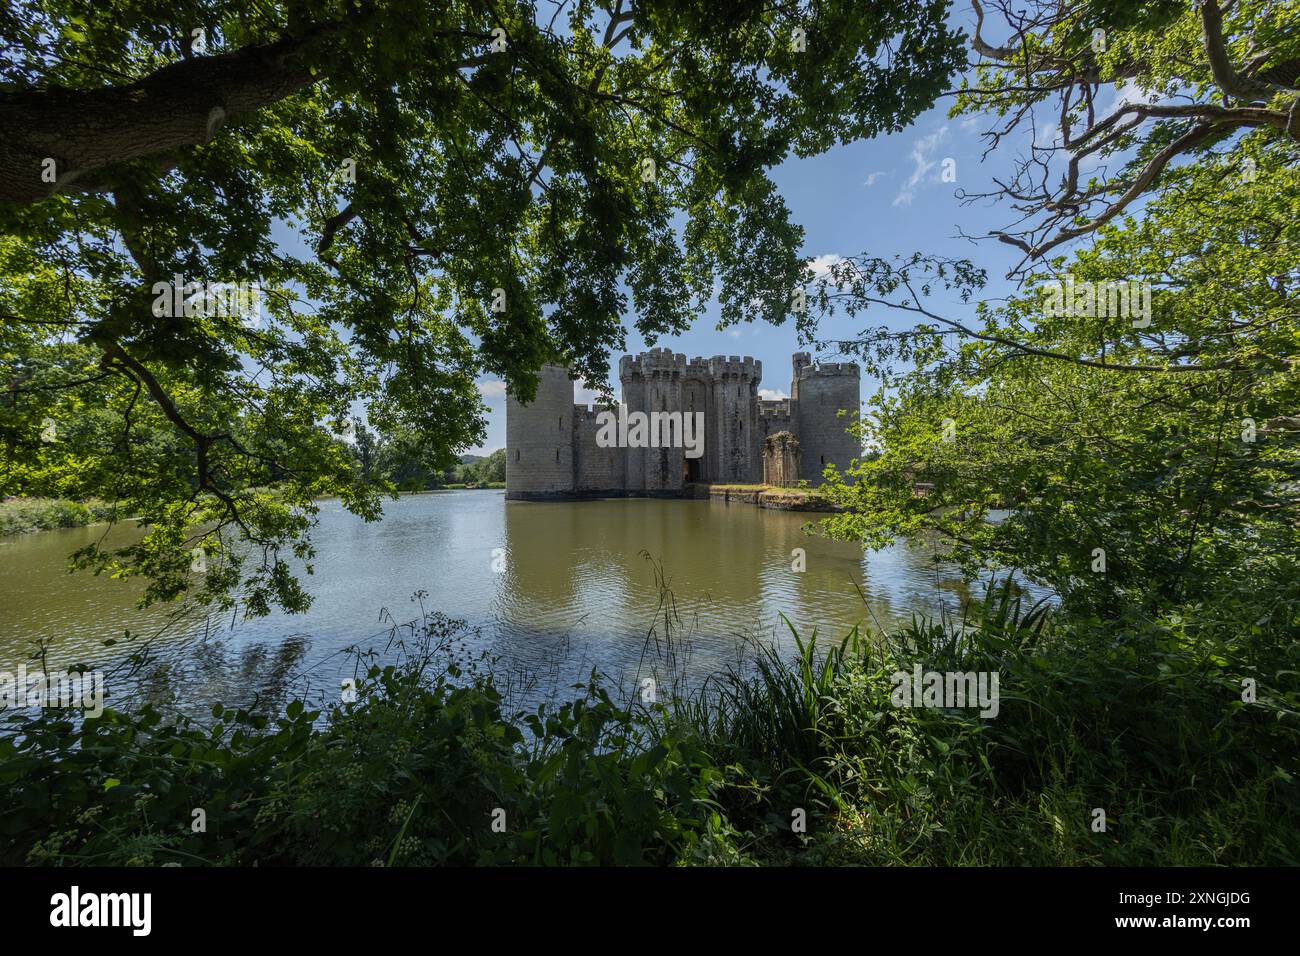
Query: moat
x=569 y=590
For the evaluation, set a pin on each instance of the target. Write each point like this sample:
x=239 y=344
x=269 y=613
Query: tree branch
x=1230 y=81
x=182 y=104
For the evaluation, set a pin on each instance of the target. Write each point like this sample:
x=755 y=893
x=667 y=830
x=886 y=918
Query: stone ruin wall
x=781 y=464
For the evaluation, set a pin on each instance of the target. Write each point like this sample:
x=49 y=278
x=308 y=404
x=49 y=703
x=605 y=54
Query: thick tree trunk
x=86 y=131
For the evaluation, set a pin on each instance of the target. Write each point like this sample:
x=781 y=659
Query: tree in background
x=471 y=187
x=1148 y=464
x=1145 y=451
x=366 y=448
x=487 y=470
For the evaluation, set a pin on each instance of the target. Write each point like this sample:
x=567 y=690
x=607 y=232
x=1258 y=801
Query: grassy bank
x=798 y=761
x=774 y=496
x=24 y=515
x=768 y=489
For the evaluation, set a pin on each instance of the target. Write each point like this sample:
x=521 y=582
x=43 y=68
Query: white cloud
x=582 y=394
x=872 y=178
x=771 y=394
x=1127 y=93
x=734 y=333
x=585 y=395
x=1048 y=135
x=923 y=156
x=970 y=123
x=821 y=265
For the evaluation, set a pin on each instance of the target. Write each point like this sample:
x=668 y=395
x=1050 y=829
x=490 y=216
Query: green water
x=553 y=589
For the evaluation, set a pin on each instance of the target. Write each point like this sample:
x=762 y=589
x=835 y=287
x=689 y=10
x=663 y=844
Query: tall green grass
x=1148 y=727
x=1143 y=720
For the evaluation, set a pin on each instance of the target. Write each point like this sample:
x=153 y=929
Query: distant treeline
x=22 y=515
x=401 y=463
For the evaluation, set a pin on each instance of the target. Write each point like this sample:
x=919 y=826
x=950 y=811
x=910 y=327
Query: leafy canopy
x=1171 y=450
x=386 y=172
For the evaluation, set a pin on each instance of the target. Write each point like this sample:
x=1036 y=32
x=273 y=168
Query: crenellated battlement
x=652 y=364
x=774 y=408
x=661 y=360
x=828 y=370
x=734 y=367
x=698 y=368
x=588 y=413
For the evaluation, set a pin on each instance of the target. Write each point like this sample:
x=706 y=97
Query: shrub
x=24 y=515
x=1146 y=720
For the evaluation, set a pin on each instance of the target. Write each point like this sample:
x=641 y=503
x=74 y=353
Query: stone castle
x=552 y=449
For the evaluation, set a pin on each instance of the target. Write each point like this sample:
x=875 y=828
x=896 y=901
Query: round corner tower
x=539 y=438
x=820 y=393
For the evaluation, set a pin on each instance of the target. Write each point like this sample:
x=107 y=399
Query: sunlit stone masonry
x=782 y=460
x=553 y=451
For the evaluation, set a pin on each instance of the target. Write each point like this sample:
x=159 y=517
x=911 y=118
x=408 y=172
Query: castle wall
x=697 y=396
x=822 y=432
x=539 y=439
x=781 y=456
x=596 y=470
x=773 y=416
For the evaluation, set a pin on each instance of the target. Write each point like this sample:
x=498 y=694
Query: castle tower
x=539 y=438
x=731 y=436
x=652 y=383
x=800 y=361
x=819 y=392
x=632 y=382
x=697 y=396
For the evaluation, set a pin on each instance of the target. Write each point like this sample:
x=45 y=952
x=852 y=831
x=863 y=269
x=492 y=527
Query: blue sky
x=882 y=197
